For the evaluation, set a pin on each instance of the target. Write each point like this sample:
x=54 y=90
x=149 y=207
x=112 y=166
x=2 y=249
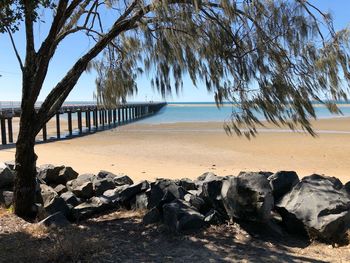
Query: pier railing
x=95 y=118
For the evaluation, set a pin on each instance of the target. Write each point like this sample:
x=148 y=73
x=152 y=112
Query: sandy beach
x=145 y=151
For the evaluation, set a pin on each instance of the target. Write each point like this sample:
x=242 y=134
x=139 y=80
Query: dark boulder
x=213 y=217
x=71 y=199
x=7 y=178
x=55 y=220
x=114 y=194
x=82 y=186
x=180 y=216
x=187 y=184
x=102 y=185
x=211 y=194
x=248 y=197
x=347 y=187
x=152 y=216
x=11 y=165
x=60 y=189
x=318 y=206
x=126 y=196
x=120 y=179
x=6 y=198
x=282 y=182
x=55 y=175
x=198 y=203
x=52 y=203
x=160 y=187
x=84 y=190
x=91 y=207
x=141 y=201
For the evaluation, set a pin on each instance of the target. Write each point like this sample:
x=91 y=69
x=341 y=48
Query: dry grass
x=121 y=237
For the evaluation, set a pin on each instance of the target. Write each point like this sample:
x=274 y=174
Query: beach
x=146 y=151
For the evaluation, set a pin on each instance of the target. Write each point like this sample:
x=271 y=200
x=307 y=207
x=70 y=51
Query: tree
x=275 y=57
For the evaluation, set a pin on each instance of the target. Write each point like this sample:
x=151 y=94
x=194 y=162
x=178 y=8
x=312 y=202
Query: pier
x=89 y=118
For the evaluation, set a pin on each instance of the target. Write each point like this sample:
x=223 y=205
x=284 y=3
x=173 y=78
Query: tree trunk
x=24 y=192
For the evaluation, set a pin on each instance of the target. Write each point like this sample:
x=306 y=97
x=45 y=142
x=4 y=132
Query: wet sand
x=145 y=151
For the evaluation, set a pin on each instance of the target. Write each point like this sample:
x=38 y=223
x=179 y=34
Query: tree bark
x=25 y=182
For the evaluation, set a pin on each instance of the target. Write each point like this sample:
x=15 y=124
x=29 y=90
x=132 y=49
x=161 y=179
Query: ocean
x=208 y=112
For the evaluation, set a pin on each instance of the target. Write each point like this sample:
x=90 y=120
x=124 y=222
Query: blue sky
x=75 y=46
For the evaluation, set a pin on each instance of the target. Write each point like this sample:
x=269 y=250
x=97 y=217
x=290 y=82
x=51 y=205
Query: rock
x=7 y=178
x=347 y=187
x=208 y=176
x=84 y=190
x=11 y=165
x=131 y=191
x=318 y=206
x=56 y=204
x=160 y=187
x=282 y=182
x=152 y=216
x=180 y=216
x=142 y=200
x=47 y=193
x=91 y=207
x=248 y=197
x=71 y=199
x=213 y=217
x=187 y=184
x=120 y=179
x=6 y=198
x=60 y=189
x=54 y=175
x=102 y=185
x=113 y=194
x=211 y=194
x=198 y=203
x=82 y=186
x=55 y=220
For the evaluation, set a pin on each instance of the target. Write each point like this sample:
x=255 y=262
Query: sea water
x=209 y=112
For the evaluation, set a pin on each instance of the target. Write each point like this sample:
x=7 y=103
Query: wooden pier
x=96 y=118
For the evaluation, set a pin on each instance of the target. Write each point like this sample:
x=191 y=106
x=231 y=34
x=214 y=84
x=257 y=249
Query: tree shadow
x=129 y=240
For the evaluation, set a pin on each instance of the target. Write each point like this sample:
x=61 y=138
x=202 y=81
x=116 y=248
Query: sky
x=75 y=46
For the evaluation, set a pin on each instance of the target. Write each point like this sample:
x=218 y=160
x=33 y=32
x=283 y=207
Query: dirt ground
x=121 y=237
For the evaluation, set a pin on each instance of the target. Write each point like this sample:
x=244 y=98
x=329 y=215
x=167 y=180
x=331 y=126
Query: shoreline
x=147 y=151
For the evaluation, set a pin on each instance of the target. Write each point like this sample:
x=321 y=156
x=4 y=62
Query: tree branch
x=15 y=48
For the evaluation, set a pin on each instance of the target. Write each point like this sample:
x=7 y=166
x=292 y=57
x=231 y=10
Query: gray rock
x=114 y=194
x=7 y=178
x=84 y=190
x=208 y=176
x=47 y=193
x=198 y=203
x=6 y=198
x=53 y=204
x=213 y=217
x=248 y=197
x=187 y=184
x=60 y=189
x=102 y=185
x=120 y=179
x=318 y=206
x=162 y=186
x=211 y=194
x=282 y=182
x=347 y=187
x=11 y=165
x=71 y=199
x=152 y=216
x=55 y=175
x=55 y=220
x=130 y=192
x=180 y=216
x=141 y=201
x=91 y=207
